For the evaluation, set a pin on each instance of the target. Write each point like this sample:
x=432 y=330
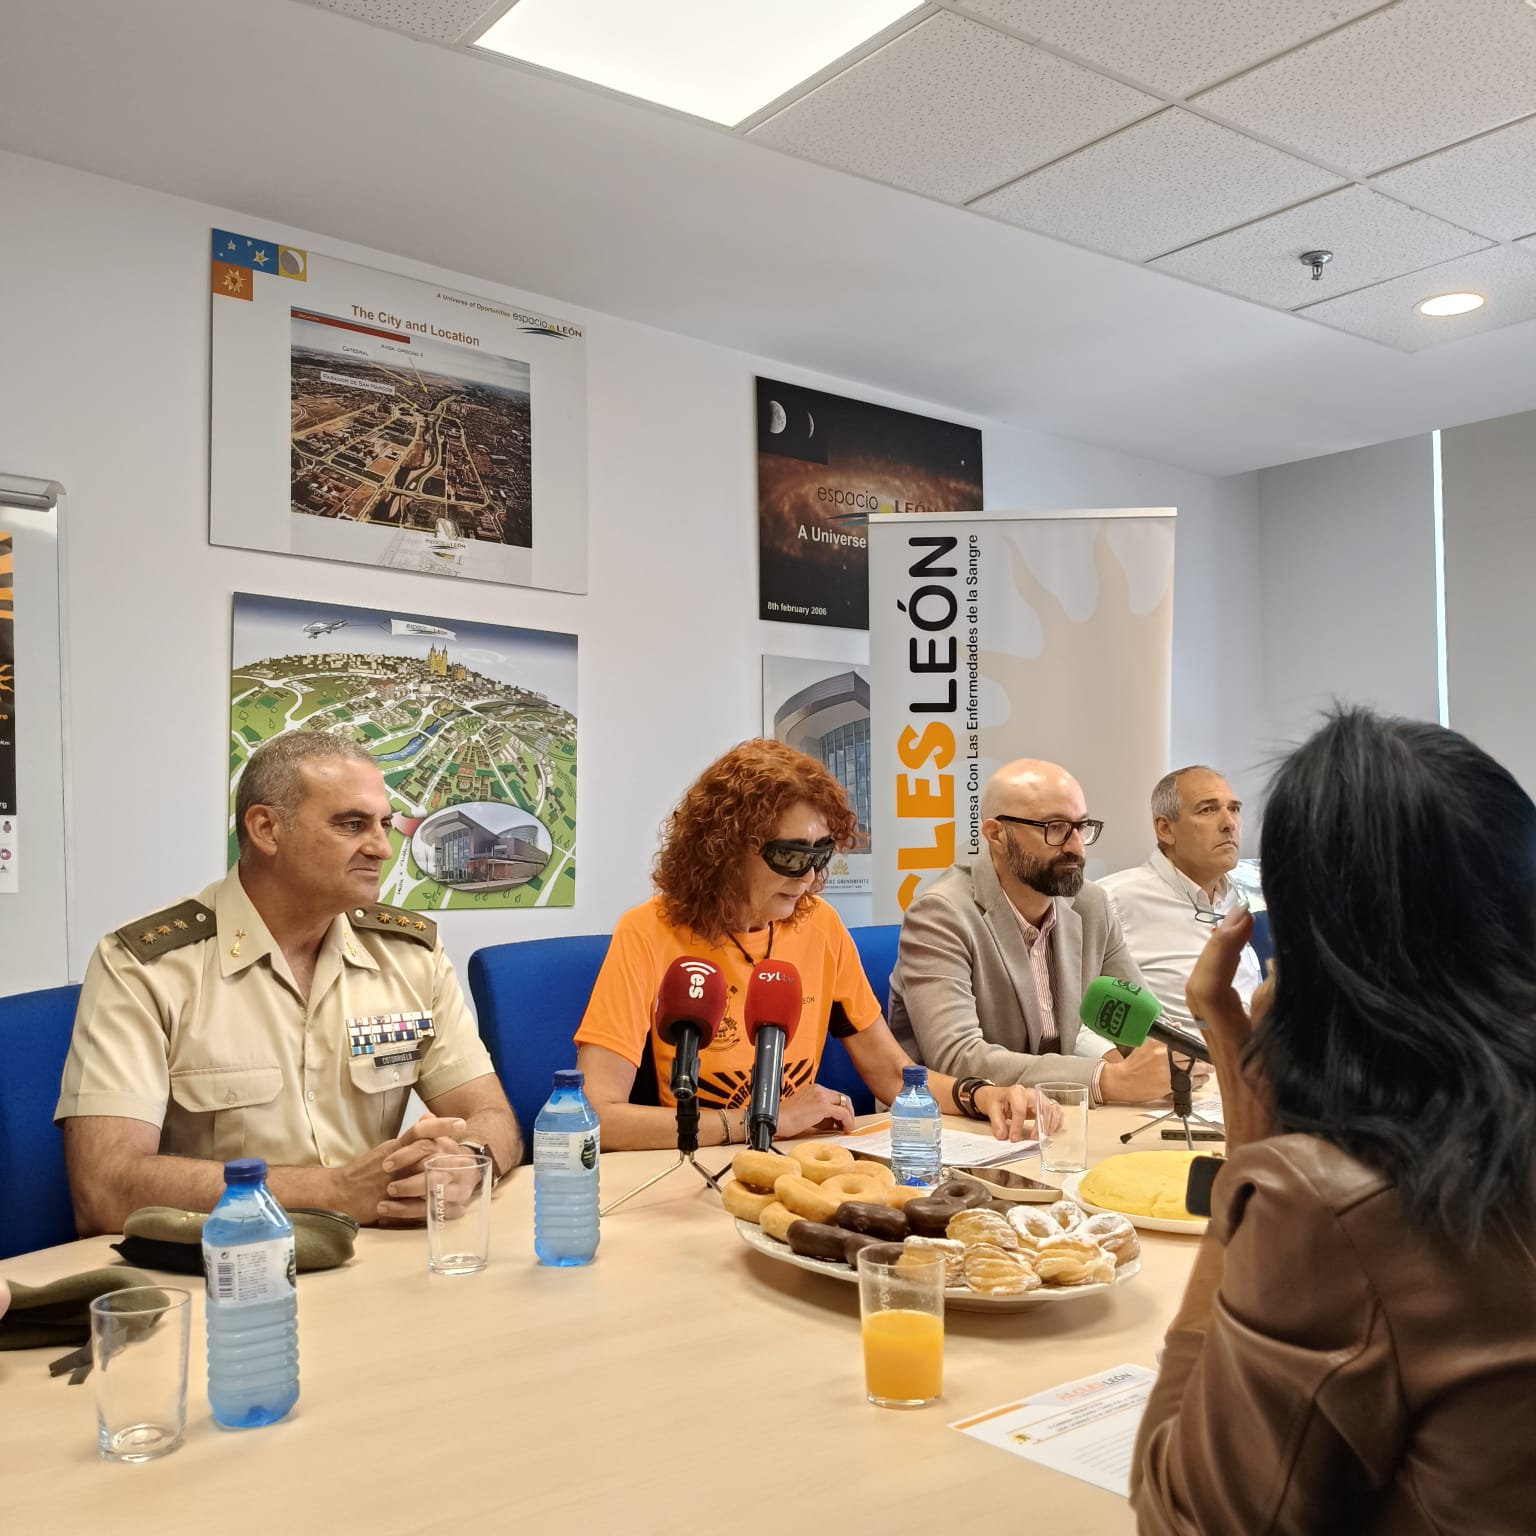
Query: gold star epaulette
x=187 y=922
x=404 y=925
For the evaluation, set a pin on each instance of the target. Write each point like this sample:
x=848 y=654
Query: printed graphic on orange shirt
x=731 y=1090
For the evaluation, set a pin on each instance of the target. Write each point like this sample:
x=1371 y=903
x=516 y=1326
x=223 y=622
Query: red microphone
x=771 y=1015
x=689 y=1006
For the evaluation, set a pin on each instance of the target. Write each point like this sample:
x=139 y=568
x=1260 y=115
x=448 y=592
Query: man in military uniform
x=286 y=1014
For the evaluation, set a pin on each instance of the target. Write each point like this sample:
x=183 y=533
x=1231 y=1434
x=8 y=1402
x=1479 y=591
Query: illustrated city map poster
x=472 y=725
x=363 y=416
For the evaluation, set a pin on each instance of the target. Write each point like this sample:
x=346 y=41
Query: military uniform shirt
x=210 y=1040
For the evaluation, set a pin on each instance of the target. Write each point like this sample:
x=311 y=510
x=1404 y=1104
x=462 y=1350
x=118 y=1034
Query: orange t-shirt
x=619 y=1012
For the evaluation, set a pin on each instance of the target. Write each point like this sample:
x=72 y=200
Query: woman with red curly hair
x=737 y=881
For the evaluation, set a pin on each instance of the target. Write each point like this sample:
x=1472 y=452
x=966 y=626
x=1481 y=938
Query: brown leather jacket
x=1355 y=1376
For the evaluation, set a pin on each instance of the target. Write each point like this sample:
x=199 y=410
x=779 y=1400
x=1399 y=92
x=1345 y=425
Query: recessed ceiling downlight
x=1451 y=304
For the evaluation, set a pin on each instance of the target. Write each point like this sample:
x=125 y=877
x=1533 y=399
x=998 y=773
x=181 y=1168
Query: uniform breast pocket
x=219 y=1102
x=387 y=1085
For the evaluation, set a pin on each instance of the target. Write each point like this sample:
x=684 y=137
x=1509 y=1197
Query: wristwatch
x=480 y=1149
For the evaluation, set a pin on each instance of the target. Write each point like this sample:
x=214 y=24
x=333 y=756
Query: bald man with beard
x=995 y=955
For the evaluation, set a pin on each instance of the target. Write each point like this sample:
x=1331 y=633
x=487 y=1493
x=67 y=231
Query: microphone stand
x=1183 y=1109
x=687 y=1145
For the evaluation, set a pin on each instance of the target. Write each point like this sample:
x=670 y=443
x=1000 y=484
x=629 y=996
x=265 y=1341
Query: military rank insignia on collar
x=403 y=925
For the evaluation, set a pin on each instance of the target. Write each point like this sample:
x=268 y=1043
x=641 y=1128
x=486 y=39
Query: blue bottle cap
x=569 y=1077
x=245 y=1170
x=914 y=1077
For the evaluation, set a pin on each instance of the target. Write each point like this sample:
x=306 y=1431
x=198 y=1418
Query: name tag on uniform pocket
x=379 y=1034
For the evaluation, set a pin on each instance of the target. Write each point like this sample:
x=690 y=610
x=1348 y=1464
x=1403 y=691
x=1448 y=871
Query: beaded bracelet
x=725 y=1126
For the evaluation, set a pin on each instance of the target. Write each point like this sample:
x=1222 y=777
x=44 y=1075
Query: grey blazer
x=963 y=996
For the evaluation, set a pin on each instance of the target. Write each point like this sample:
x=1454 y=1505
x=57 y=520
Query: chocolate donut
x=881 y=1221
x=816 y=1240
x=930 y=1216
x=853 y=1241
x=969 y=1192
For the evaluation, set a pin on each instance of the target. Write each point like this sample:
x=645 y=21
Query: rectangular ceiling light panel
x=715 y=60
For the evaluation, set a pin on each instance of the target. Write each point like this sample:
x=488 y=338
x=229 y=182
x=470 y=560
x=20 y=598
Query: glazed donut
x=1067 y=1214
x=743 y=1203
x=776 y=1220
x=805 y=1199
x=820 y=1160
x=1113 y=1233
x=854 y=1186
x=758 y=1170
x=875 y=1171
x=880 y=1220
x=1033 y=1225
x=815 y=1240
x=898 y=1194
x=1074 y=1261
x=969 y=1192
x=975 y=1226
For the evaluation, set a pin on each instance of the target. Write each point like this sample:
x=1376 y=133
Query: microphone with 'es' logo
x=689 y=1006
x=770 y=1016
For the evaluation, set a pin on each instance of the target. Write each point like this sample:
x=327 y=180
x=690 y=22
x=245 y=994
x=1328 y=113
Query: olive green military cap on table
x=59 y=1314
x=162 y=1237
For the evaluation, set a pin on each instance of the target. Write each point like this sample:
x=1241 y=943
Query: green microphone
x=1127 y=1015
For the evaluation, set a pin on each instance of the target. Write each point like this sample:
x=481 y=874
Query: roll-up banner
x=1000 y=635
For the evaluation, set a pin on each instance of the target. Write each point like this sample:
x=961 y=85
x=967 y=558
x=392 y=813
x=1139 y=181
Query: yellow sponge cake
x=1141 y=1184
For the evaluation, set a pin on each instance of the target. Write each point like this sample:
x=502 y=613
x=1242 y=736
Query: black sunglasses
x=792 y=860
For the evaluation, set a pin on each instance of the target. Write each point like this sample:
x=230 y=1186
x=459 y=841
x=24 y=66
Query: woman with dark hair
x=1356 y=1349
x=737 y=880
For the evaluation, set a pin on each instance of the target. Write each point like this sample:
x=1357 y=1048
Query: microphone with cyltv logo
x=770 y=1015
x=1127 y=1015
x=689 y=1006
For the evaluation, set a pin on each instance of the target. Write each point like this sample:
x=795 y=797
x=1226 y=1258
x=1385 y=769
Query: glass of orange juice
x=901 y=1304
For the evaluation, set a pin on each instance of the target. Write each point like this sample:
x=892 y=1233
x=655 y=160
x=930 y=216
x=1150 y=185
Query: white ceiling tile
x=443 y=21
x=1386 y=313
x=1488 y=184
x=1165 y=182
x=1407 y=80
x=953 y=109
x=1371 y=237
x=1176 y=46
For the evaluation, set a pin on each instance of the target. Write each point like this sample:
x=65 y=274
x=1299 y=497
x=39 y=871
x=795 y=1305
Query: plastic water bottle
x=253 y=1327
x=565 y=1148
x=916 y=1155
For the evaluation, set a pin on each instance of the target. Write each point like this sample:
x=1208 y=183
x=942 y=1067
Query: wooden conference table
x=679 y=1384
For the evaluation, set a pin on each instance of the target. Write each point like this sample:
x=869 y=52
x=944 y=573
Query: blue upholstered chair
x=876 y=945
x=529 y=998
x=34 y=1039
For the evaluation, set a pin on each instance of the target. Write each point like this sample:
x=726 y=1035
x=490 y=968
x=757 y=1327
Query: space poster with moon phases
x=824 y=465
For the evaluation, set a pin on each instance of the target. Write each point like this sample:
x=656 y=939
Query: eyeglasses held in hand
x=1056 y=833
x=792 y=860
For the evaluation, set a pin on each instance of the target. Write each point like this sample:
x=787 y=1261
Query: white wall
x=104 y=315
x=1489 y=493
x=1347 y=547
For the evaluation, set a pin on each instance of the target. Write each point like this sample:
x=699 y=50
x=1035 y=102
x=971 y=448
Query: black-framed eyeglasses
x=1057 y=832
x=792 y=860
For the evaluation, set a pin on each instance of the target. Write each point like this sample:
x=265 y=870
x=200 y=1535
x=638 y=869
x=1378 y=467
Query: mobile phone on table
x=1005 y=1184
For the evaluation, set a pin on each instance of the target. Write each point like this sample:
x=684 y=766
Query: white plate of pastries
x=815 y=1207
x=1145 y=1187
